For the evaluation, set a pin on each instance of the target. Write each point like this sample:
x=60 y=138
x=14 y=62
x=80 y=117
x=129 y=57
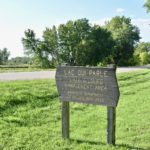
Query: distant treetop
x=147 y=5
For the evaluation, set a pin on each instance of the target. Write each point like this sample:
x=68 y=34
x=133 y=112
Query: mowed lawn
x=30 y=117
x=7 y=69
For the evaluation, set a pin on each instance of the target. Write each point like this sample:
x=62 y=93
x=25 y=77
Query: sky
x=16 y=16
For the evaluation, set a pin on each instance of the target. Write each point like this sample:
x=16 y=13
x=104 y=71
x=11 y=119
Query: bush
x=144 y=58
x=134 y=61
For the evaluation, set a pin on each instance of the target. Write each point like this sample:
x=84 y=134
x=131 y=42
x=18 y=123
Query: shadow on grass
x=36 y=101
x=135 y=82
x=131 y=147
x=127 y=146
x=79 y=141
x=132 y=76
x=13 y=102
x=47 y=97
x=134 y=79
x=134 y=92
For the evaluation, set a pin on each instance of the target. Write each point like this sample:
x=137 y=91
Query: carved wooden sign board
x=88 y=85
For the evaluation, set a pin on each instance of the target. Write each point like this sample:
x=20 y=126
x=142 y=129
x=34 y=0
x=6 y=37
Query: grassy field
x=30 y=117
x=21 y=69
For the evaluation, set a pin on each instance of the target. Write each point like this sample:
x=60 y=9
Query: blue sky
x=19 y=15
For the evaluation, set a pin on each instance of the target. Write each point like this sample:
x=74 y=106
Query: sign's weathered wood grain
x=88 y=85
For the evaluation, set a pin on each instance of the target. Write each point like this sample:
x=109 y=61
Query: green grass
x=13 y=69
x=30 y=117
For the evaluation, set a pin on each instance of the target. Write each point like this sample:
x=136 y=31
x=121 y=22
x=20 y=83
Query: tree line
x=80 y=43
x=4 y=59
x=4 y=55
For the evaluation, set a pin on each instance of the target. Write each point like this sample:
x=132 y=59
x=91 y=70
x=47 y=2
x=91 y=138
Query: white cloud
x=120 y=10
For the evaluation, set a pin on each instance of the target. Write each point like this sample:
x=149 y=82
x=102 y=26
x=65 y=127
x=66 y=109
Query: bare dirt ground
x=49 y=74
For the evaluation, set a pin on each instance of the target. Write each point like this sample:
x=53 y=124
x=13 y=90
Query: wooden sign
x=88 y=85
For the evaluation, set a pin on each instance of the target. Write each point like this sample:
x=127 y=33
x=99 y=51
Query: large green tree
x=4 y=55
x=147 y=5
x=101 y=45
x=125 y=35
x=73 y=37
x=83 y=44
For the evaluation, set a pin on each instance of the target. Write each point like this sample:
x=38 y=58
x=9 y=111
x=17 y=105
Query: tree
x=82 y=44
x=30 y=43
x=147 y=5
x=101 y=45
x=72 y=36
x=50 y=44
x=144 y=58
x=4 y=55
x=125 y=36
x=142 y=51
x=142 y=47
x=33 y=47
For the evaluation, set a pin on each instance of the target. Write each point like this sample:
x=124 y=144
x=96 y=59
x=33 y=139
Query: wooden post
x=111 y=125
x=65 y=120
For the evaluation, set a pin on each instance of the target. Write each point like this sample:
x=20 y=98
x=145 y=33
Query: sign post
x=90 y=85
x=65 y=120
x=111 y=125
